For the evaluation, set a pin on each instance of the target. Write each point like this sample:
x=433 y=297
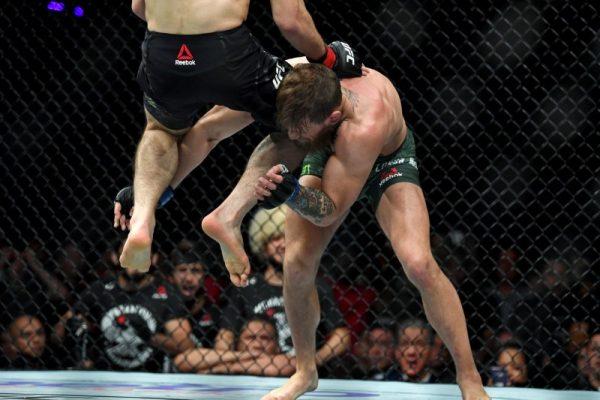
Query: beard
x=324 y=140
x=278 y=266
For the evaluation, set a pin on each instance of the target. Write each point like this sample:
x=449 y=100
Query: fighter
x=361 y=148
x=199 y=52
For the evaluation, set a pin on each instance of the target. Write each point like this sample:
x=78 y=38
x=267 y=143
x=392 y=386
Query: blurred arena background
x=504 y=98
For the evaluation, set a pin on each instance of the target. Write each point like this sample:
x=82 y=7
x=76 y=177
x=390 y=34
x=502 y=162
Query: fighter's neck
x=349 y=106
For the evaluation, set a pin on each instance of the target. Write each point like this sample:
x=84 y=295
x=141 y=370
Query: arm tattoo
x=312 y=204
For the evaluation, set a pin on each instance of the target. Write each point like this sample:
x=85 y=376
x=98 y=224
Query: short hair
x=265 y=320
x=415 y=323
x=307 y=94
x=179 y=257
x=265 y=225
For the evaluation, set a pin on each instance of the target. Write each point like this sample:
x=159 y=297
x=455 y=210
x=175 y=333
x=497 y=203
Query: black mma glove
x=342 y=59
x=287 y=190
x=125 y=197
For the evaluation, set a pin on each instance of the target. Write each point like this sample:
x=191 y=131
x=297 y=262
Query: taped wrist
x=328 y=59
x=286 y=191
x=165 y=197
x=125 y=197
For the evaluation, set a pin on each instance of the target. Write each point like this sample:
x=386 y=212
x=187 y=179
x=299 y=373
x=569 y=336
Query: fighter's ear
x=334 y=118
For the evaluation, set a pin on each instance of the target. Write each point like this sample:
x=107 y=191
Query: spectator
x=375 y=353
x=414 y=342
x=24 y=345
x=589 y=365
x=25 y=281
x=559 y=369
x=186 y=272
x=264 y=295
x=511 y=358
x=72 y=268
x=257 y=353
x=132 y=319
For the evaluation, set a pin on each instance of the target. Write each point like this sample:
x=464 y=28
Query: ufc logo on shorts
x=349 y=54
x=279 y=70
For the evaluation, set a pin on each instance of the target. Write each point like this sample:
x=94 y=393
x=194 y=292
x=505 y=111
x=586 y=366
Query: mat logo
x=185 y=56
x=122 y=327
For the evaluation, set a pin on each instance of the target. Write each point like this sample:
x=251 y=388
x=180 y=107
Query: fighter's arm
x=139 y=8
x=345 y=174
x=297 y=26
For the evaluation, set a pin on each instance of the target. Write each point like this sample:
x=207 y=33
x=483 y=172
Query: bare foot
x=229 y=237
x=473 y=390
x=296 y=386
x=136 y=251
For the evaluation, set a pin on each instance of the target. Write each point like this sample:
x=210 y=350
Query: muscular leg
x=304 y=246
x=217 y=124
x=159 y=161
x=403 y=216
x=155 y=163
x=223 y=224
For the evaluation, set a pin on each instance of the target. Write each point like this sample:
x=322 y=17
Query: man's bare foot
x=228 y=235
x=137 y=248
x=473 y=390
x=296 y=386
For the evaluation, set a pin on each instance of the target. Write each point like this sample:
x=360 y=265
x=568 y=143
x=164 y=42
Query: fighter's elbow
x=139 y=8
x=324 y=222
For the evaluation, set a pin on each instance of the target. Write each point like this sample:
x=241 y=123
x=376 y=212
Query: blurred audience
x=513 y=366
x=134 y=320
x=186 y=270
x=414 y=341
x=24 y=345
x=588 y=365
x=264 y=294
x=374 y=351
x=257 y=352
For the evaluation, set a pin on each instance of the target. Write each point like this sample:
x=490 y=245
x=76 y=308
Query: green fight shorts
x=400 y=166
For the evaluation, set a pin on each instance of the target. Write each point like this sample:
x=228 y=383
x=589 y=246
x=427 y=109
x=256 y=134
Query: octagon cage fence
x=503 y=97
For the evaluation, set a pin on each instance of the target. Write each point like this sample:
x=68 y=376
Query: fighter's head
x=309 y=105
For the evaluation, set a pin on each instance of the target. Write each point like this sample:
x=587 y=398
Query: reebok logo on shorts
x=185 y=56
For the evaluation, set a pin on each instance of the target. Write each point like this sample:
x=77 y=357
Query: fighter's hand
x=342 y=59
x=276 y=187
x=123 y=208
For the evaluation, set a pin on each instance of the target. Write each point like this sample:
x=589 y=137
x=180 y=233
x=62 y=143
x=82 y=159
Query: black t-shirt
x=204 y=325
x=123 y=322
x=260 y=298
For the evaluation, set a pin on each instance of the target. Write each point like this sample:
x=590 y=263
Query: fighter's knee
x=299 y=269
x=421 y=269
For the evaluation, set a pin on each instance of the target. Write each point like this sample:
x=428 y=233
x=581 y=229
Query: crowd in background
x=530 y=327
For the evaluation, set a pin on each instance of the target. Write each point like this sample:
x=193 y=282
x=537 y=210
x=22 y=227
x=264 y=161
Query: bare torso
x=377 y=104
x=195 y=16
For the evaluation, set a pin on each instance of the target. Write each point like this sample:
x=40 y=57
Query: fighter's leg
x=217 y=124
x=402 y=214
x=223 y=224
x=155 y=163
x=304 y=246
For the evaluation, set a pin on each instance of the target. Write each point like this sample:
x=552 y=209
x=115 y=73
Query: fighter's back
x=379 y=104
x=195 y=16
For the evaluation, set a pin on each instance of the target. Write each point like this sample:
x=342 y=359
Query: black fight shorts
x=182 y=74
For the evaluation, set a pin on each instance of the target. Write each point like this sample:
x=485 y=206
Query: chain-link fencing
x=504 y=101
